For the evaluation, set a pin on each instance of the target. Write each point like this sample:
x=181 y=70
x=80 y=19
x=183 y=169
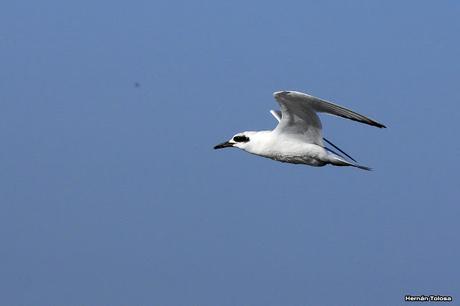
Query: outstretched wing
x=294 y=100
x=298 y=119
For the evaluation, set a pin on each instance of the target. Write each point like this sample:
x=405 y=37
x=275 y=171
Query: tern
x=298 y=138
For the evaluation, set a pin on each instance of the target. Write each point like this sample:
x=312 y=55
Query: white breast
x=289 y=150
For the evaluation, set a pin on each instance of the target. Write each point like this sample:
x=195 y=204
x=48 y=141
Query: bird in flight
x=298 y=137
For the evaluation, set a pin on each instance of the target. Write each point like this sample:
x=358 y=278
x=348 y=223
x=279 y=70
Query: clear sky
x=111 y=193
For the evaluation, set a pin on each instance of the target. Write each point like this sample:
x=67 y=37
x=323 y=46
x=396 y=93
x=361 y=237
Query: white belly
x=308 y=154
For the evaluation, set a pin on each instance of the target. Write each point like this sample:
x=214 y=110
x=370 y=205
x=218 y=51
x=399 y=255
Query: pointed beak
x=223 y=145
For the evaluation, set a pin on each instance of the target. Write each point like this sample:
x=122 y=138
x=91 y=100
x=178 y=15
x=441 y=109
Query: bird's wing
x=298 y=119
x=291 y=98
x=277 y=114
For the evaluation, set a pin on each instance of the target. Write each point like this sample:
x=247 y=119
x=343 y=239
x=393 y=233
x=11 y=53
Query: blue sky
x=112 y=195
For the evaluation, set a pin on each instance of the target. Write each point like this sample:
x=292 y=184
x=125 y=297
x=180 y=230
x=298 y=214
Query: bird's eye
x=241 y=138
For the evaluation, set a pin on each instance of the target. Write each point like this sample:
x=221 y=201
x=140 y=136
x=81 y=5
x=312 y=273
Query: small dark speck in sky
x=137 y=84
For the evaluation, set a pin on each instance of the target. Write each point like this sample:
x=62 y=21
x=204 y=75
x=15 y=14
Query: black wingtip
x=379 y=125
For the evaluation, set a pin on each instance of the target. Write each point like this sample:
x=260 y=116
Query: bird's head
x=241 y=140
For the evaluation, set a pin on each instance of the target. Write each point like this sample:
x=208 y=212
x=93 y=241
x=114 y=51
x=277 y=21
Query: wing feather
x=323 y=106
x=299 y=119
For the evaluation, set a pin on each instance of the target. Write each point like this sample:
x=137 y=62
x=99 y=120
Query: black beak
x=223 y=145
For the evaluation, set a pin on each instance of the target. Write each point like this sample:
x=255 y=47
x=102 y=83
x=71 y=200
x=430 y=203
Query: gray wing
x=298 y=119
x=277 y=114
x=293 y=101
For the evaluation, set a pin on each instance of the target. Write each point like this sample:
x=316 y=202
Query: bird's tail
x=362 y=167
x=339 y=161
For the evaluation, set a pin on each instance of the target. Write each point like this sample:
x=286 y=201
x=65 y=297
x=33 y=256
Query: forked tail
x=339 y=161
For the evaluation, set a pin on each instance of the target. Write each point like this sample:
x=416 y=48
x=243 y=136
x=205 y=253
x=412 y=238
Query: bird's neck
x=261 y=142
